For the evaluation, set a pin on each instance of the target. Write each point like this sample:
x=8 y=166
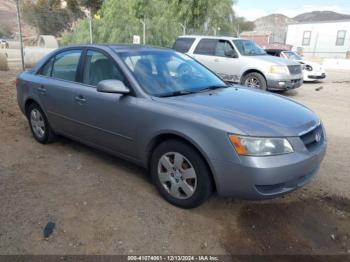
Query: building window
x=340 y=38
x=306 y=38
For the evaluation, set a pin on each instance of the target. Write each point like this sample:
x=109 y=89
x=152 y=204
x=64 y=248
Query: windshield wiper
x=177 y=93
x=188 y=92
x=209 y=88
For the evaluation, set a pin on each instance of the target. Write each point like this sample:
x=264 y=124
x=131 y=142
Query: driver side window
x=98 y=67
x=223 y=48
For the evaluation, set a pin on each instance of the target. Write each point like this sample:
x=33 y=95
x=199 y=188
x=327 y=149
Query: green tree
x=5 y=30
x=204 y=16
x=47 y=16
x=93 y=5
x=120 y=20
x=241 y=24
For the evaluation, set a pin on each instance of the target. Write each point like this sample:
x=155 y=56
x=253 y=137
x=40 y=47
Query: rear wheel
x=254 y=80
x=180 y=174
x=39 y=124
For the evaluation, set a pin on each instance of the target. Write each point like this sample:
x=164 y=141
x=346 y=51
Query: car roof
x=210 y=37
x=276 y=50
x=122 y=47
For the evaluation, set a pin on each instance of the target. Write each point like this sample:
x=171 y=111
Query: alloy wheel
x=177 y=175
x=37 y=122
x=252 y=82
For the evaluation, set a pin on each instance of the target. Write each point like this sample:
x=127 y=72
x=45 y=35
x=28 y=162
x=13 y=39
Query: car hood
x=273 y=60
x=252 y=112
x=314 y=65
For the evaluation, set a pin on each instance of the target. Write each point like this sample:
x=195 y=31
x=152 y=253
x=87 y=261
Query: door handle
x=216 y=60
x=80 y=99
x=42 y=90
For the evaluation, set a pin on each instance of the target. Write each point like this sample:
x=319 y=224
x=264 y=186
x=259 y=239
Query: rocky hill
x=317 y=16
x=276 y=24
x=7 y=15
x=8 y=18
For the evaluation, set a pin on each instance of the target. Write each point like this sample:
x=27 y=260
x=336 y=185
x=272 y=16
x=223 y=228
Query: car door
x=214 y=54
x=107 y=120
x=56 y=81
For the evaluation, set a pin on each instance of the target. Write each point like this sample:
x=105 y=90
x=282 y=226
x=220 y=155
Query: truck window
x=183 y=44
x=206 y=47
x=223 y=47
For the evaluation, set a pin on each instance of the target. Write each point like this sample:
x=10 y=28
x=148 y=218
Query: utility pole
x=183 y=29
x=20 y=33
x=90 y=26
x=142 y=21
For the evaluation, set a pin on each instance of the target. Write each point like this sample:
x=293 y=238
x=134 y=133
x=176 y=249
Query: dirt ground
x=104 y=205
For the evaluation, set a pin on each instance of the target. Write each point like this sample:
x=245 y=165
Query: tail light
x=17 y=82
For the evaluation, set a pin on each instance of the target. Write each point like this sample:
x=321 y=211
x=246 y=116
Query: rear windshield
x=183 y=44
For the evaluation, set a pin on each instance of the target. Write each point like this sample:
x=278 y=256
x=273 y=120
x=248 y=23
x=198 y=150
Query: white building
x=323 y=39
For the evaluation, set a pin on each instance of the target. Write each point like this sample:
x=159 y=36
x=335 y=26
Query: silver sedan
x=168 y=113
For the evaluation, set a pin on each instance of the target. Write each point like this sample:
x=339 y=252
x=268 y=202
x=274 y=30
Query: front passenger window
x=98 y=67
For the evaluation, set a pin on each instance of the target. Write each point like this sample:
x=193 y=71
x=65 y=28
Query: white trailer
x=322 y=39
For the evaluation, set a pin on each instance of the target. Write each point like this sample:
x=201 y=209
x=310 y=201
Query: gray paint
x=127 y=125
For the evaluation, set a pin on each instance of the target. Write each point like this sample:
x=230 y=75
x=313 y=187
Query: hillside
x=317 y=16
x=276 y=24
x=7 y=15
x=8 y=18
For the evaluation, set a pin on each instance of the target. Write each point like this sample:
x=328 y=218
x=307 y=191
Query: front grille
x=294 y=69
x=313 y=138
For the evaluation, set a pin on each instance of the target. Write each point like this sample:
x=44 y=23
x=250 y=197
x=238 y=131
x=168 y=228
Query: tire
x=181 y=186
x=257 y=81
x=39 y=125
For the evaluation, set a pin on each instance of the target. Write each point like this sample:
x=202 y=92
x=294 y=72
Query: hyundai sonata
x=166 y=112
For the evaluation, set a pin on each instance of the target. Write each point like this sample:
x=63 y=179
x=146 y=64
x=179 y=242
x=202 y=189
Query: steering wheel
x=184 y=72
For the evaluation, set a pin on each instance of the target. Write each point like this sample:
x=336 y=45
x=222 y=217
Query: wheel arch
x=29 y=102
x=252 y=71
x=160 y=138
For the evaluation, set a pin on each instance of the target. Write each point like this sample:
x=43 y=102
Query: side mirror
x=112 y=86
x=231 y=53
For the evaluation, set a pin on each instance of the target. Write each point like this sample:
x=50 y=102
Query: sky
x=253 y=9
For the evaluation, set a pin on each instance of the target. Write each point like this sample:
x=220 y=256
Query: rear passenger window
x=47 y=68
x=183 y=44
x=206 y=47
x=98 y=67
x=66 y=65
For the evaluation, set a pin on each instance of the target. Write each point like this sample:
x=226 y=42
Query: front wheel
x=181 y=174
x=255 y=80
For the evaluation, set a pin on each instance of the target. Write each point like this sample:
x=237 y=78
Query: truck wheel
x=254 y=80
x=180 y=174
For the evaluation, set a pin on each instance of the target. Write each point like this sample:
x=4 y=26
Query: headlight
x=260 y=146
x=278 y=69
x=308 y=67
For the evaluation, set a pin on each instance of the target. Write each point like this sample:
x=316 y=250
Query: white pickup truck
x=241 y=61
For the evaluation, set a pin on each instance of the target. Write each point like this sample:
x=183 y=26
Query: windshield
x=167 y=73
x=248 y=47
x=292 y=55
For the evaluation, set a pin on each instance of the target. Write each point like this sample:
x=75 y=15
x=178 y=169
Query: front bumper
x=258 y=178
x=273 y=84
x=315 y=76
